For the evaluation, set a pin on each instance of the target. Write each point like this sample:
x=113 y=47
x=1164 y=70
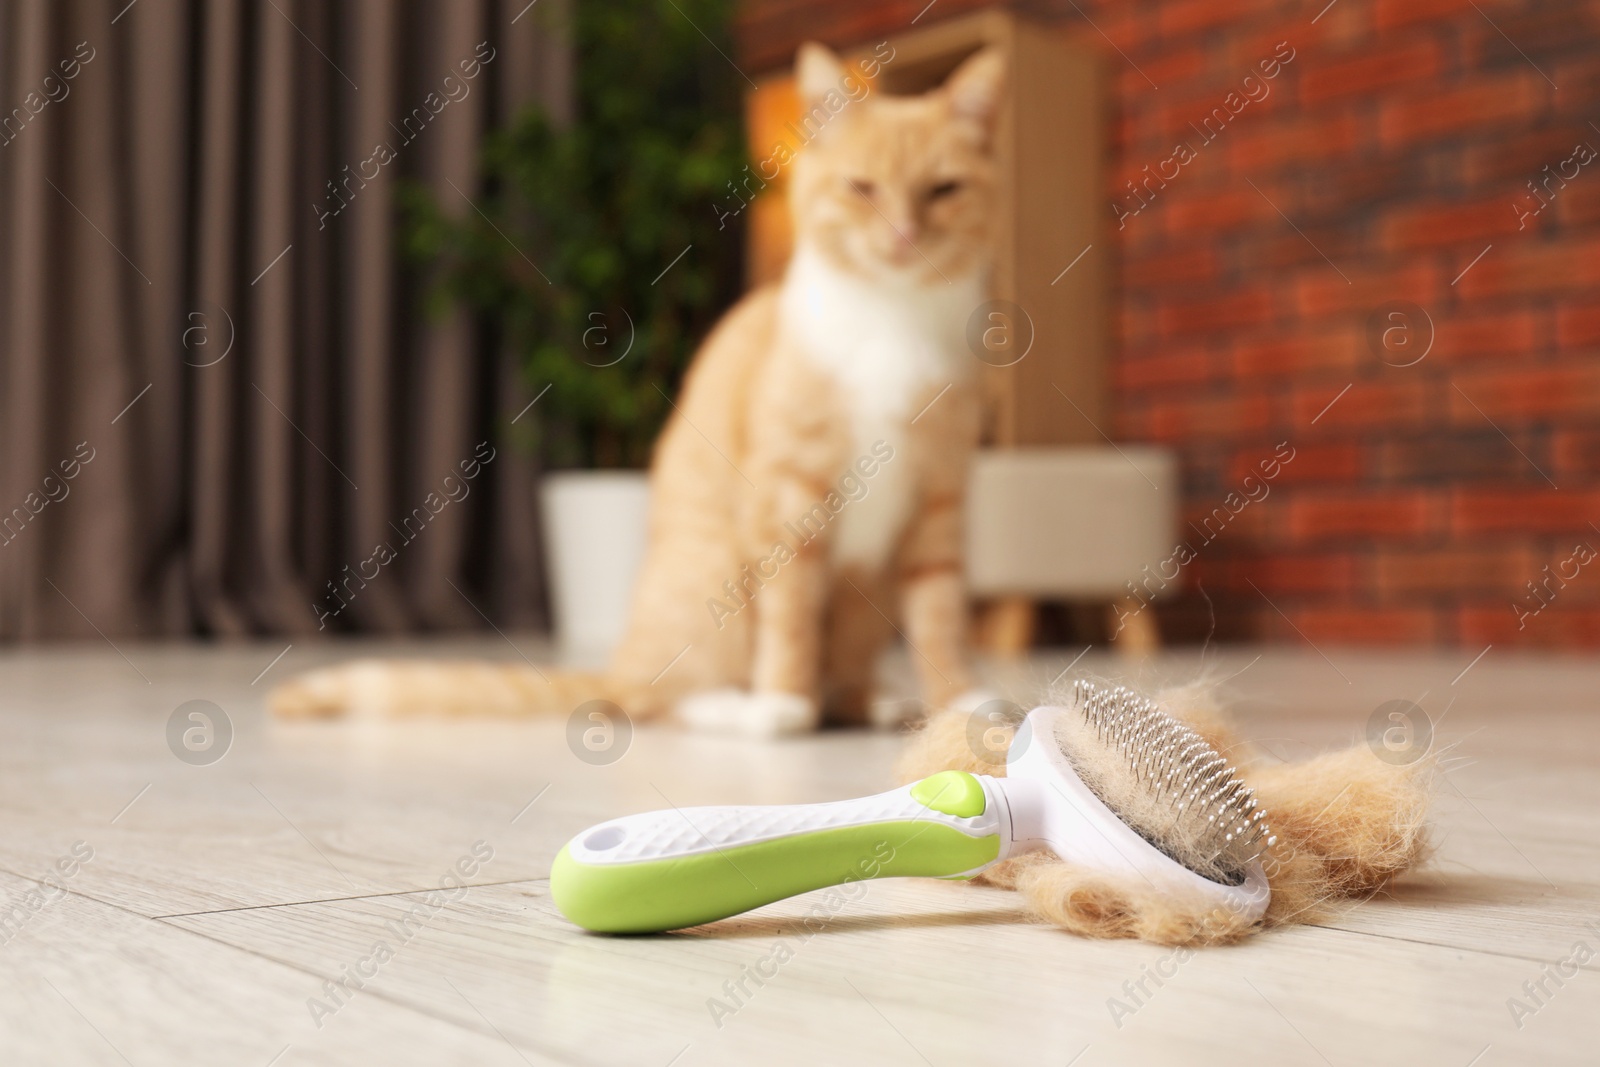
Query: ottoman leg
x=1133 y=627
x=1005 y=627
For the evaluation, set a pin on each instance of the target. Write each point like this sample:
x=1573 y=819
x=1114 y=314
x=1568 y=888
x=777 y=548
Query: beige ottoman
x=1089 y=524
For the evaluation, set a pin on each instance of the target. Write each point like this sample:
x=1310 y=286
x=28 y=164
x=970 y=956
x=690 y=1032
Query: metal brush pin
x=1166 y=782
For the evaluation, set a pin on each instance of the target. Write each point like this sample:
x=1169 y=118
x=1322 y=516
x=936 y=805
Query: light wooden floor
x=219 y=898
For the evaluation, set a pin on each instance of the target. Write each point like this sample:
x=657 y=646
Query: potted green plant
x=599 y=253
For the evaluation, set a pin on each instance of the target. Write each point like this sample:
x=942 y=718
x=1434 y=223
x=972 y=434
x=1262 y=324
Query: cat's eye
x=862 y=186
x=943 y=189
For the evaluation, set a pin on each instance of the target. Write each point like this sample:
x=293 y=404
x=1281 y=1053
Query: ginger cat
x=815 y=467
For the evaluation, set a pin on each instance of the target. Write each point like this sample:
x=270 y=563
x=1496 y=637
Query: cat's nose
x=903 y=240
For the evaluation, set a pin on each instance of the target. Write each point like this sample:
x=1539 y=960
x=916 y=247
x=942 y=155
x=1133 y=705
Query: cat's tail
x=402 y=688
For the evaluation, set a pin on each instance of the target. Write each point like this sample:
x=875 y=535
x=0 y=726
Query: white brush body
x=1049 y=807
x=676 y=833
x=1043 y=803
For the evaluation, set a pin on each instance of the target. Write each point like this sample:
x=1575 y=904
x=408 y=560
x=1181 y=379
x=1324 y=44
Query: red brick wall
x=1388 y=154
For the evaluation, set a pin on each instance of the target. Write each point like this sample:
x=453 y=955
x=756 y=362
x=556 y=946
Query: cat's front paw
x=888 y=714
x=972 y=699
x=747 y=714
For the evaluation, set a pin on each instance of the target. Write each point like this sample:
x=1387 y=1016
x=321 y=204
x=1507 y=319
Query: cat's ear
x=975 y=88
x=817 y=72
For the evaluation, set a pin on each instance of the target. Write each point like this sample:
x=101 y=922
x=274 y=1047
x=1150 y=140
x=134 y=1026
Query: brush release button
x=951 y=792
x=605 y=839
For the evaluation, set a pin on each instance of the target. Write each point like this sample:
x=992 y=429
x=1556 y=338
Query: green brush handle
x=669 y=869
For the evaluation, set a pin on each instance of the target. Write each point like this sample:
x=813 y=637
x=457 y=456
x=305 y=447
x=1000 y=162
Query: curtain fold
x=224 y=409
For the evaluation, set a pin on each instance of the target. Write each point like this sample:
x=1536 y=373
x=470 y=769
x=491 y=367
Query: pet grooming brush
x=1111 y=783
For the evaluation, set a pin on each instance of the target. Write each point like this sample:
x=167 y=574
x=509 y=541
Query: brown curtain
x=220 y=388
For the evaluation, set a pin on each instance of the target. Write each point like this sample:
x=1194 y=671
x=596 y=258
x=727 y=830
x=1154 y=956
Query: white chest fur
x=889 y=346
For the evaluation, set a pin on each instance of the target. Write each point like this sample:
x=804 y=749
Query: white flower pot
x=595 y=529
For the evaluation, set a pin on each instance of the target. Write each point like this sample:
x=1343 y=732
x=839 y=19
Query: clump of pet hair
x=1345 y=822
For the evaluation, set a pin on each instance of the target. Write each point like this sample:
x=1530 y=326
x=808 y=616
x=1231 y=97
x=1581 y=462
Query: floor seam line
x=377 y=995
x=337 y=900
x=1429 y=944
